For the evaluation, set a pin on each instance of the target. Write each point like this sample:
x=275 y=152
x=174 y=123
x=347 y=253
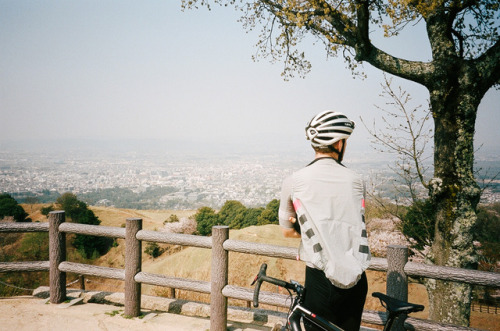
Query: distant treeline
x=127 y=198
x=235 y=215
x=118 y=197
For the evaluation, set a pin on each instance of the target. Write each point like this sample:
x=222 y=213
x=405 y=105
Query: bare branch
x=406 y=135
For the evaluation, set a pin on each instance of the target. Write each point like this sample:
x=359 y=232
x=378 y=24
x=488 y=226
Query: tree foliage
x=235 y=215
x=154 y=250
x=122 y=197
x=418 y=224
x=461 y=29
x=232 y=214
x=78 y=212
x=10 y=207
x=206 y=218
x=46 y=210
x=252 y=216
x=172 y=219
x=270 y=214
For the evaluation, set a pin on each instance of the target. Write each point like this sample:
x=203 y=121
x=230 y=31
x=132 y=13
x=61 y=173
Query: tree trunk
x=455 y=195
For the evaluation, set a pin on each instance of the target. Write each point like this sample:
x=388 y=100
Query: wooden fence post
x=57 y=254
x=397 y=280
x=218 y=302
x=81 y=281
x=133 y=256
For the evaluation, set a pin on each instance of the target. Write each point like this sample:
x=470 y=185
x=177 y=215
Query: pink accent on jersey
x=296 y=204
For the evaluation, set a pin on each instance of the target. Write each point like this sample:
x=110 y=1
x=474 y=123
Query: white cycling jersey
x=327 y=199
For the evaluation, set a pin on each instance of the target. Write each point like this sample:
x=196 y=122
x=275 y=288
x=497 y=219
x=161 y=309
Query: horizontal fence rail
x=173 y=282
x=93 y=230
x=23 y=227
x=218 y=287
x=92 y=270
x=175 y=238
x=473 y=277
x=24 y=266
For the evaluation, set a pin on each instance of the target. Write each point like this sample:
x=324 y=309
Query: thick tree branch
x=366 y=51
x=363 y=44
x=488 y=67
x=417 y=71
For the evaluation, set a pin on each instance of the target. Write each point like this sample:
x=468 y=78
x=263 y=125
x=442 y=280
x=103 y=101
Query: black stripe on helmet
x=330 y=116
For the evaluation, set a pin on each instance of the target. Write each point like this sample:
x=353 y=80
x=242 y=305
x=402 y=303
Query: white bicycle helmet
x=328 y=127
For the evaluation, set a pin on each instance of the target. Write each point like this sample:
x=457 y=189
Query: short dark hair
x=326 y=148
x=322 y=149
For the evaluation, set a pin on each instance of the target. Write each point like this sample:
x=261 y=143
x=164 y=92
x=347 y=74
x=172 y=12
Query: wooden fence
x=485 y=308
x=396 y=265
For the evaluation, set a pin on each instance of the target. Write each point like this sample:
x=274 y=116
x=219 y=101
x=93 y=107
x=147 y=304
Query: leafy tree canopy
x=270 y=214
x=46 y=210
x=88 y=246
x=205 y=218
x=460 y=29
x=77 y=210
x=10 y=207
x=418 y=224
x=235 y=215
x=232 y=214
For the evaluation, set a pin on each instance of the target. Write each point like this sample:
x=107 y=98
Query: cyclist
x=326 y=200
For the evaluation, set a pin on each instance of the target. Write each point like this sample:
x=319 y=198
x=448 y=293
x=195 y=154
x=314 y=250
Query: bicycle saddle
x=397 y=306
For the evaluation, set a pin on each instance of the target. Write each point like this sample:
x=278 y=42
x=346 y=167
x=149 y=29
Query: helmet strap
x=339 y=153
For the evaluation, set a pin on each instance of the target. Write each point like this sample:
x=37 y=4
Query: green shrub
x=78 y=212
x=205 y=218
x=46 y=210
x=418 y=223
x=10 y=207
x=153 y=249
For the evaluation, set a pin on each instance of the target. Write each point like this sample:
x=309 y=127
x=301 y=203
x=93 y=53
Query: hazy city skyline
x=114 y=70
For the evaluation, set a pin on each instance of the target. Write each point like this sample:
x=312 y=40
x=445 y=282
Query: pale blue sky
x=147 y=70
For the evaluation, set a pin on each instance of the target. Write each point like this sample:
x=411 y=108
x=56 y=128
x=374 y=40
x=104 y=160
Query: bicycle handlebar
x=261 y=276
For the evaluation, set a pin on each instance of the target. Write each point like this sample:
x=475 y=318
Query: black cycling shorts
x=343 y=307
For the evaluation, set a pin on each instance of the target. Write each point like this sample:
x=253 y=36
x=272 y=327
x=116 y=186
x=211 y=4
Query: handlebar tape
x=258 y=279
x=261 y=276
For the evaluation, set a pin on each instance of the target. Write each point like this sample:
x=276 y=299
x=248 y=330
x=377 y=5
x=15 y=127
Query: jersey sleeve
x=286 y=209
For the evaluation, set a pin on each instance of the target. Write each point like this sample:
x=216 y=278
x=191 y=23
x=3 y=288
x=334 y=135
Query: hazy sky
x=147 y=70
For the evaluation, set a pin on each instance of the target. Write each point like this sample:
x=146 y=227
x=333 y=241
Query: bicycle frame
x=299 y=313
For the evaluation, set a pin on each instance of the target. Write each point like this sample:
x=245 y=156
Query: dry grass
x=151 y=219
x=34 y=211
x=110 y=216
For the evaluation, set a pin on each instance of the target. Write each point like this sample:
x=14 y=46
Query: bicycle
x=298 y=312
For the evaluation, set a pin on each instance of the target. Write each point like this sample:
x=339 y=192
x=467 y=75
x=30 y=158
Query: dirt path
x=30 y=313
